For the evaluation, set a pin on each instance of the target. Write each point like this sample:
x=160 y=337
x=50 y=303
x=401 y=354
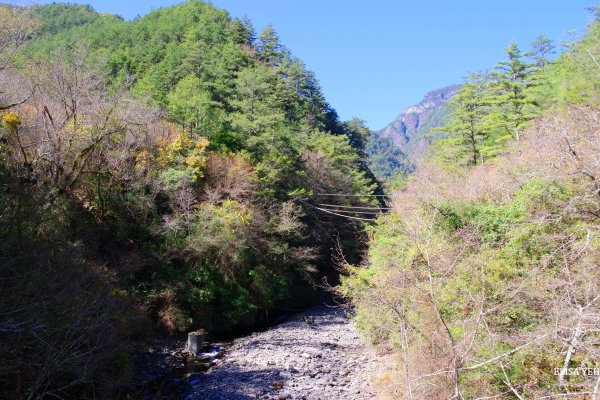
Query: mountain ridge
x=409 y=127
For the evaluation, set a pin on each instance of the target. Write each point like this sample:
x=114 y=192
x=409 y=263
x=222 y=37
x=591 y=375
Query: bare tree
x=16 y=27
x=445 y=303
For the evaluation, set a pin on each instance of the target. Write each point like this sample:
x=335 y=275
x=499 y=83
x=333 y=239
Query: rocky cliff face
x=408 y=129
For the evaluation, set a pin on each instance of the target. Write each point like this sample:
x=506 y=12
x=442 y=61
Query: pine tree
x=470 y=125
x=542 y=49
x=303 y=100
x=243 y=31
x=191 y=105
x=514 y=83
x=270 y=50
x=358 y=134
x=258 y=106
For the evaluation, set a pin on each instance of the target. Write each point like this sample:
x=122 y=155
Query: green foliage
x=514 y=80
x=257 y=103
x=270 y=50
x=212 y=135
x=341 y=171
x=542 y=48
x=243 y=31
x=494 y=246
x=216 y=234
x=386 y=160
x=358 y=135
x=59 y=17
x=574 y=77
x=490 y=109
x=192 y=106
x=490 y=221
x=470 y=128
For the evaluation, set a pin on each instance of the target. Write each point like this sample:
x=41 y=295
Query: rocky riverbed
x=313 y=355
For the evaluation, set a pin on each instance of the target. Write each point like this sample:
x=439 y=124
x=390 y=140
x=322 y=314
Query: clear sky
x=374 y=58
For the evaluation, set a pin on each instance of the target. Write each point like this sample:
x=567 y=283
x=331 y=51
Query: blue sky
x=375 y=58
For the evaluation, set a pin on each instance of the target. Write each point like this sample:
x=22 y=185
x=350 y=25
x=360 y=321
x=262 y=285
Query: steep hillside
x=410 y=128
x=156 y=176
x=484 y=280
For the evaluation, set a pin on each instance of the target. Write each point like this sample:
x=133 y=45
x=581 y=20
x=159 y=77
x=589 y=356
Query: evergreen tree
x=470 y=127
x=258 y=106
x=193 y=107
x=542 y=49
x=358 y=135
x=270 y=50
x=514 y=82
x=574 y=77
x=243 y=32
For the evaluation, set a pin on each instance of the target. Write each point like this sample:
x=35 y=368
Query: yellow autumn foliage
x=142 y=160
x=11 y=122
x=183 y=153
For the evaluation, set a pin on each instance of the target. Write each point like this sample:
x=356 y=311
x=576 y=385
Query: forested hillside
x=484 y=281
x=387 y=161
x=150 y=173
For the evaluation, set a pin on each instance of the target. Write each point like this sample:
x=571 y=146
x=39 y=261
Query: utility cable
x=355 y=212
x=358 y=207
x=352 y=195
x=334 y=213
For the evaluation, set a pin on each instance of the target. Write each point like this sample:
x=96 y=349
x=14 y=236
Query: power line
x=355 y=212
x=342 y=215
x=359 y=207
x=334 y=213
x=352 y=195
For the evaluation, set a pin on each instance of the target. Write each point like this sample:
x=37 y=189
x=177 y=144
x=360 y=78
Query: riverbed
x=314 y=355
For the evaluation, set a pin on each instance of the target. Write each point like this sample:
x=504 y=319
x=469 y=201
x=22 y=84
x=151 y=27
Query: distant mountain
x=386 y=160
x=409 y=130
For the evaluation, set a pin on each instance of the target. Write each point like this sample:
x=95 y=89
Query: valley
x=182 y=172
